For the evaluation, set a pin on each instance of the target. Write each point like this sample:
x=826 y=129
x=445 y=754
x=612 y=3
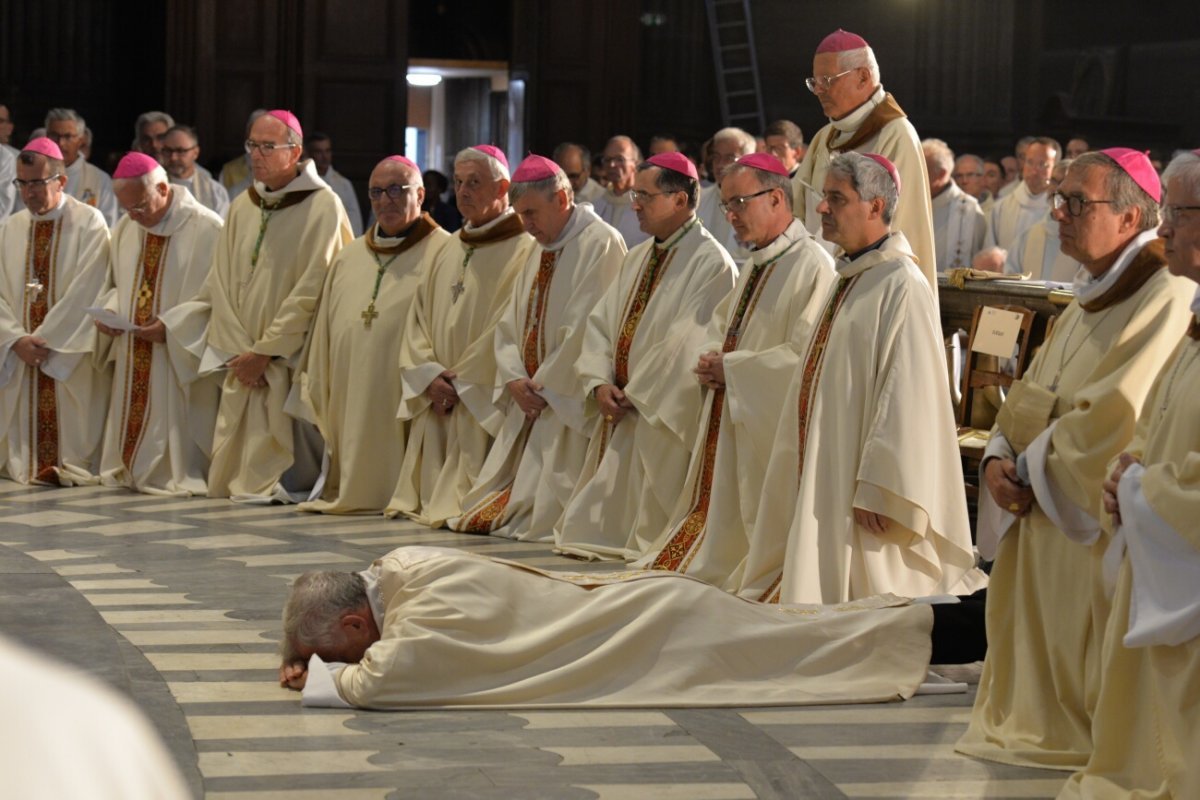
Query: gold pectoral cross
x=145 y=295
x=369 y=315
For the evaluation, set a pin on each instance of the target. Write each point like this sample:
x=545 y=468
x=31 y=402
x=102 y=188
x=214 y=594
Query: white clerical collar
x=854 y=120
x=944 y=197
x=383 y=240
x=53 y=213
x=487 y=226
x=374 y=596
x=892 y=245
x=167 y=225
x=1028 y=199
x=691 y=222
x=307 y=180
x=187 y=181
x=1088 y=288
x=76 y=167
x=791 y=234
x=581 y=217
x=617 y=198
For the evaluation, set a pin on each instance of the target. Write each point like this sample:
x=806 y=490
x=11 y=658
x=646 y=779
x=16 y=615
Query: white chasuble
x=867 y=424
x=161 y=414
x=959 y=228
x=532 y=467
x=617 y=211
x=643 y=337
x=264 y=284
x=1015 y=214
x=460 y=629
x=52 y=416
x=762 y=327
x=1046 y=611
x=877 y=126
x=451 y=326
x=1145 y=728
x=349 y=382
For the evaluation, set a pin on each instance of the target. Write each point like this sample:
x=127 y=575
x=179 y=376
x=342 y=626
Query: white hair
x=147 y=117
x=746 y=143
x=939 y=153
x=498 y=170
x=861 y=57
x=316 y=605
x=551 y=186
x=60 y=114
x=1185 y=167
x=149 y=180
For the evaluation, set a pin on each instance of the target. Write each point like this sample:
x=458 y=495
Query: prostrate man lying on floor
x=430 y=626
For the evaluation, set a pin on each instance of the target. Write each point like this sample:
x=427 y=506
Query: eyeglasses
x=267 y=148
x=958 y=176
x=641 y=198
x=178 y=151
x=395 y=191
x=1170 y=214
x=60 y=137
x=616 y=161
x=1074 y=204
x=36 y=182
x=139 y=209
x=574 y=176
x=737 y=205
x=822 y=84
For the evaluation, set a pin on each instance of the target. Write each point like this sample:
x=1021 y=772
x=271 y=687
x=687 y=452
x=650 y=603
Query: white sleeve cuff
x=1164 y=608
x=320 y=689
x=1076 y=523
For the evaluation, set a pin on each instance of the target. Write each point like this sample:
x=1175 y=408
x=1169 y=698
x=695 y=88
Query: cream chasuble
x=959 y=228
x=526 y=638
x=161 y=414
x=1015 y=214
x=1145 y=728
x=877 y=126
x=91 y=186
x=349 y=383
x=451 y=326
x=1046 y=612
x=207 y=191
x=1037 y=253
x=263 y=287
x=762 y=327
x=532 y=468
x=617 y=211
x=643 y=336
x=867 y=423
x=52 y=417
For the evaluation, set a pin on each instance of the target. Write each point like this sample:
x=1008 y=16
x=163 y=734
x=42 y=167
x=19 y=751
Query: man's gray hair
x=767 y=180
x=745 y=142
x=788 y=130
x=979 y=165
x=1121 y=189
x=869 y=179
x=558 y=182
x=585 y=155
x=861 y=57
x=471 y=154
x=253 y=118
x=626 y=140
x=147 y=117
x=187 y=130
x=316 y=605
x=1185 y=167
x=939 y=153
x=149 y=180
x=60 y=114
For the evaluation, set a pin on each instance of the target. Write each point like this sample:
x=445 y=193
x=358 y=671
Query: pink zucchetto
x=46 y=147
x=134 y=165
x=1137 y=166
x=408 y=162
x=840 y=41
x=676 y=162
x=535 y=168
x=496 y=154
x=764 y=161
x=888 y=165
x=287 y=118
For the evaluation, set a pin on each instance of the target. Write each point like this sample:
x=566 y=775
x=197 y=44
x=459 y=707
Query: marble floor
x=176 y=603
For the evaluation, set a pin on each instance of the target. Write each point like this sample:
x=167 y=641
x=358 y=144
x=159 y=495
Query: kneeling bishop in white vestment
x=755 y=341
x=863 y=492
x=53 y=397
x=538 y=454
x=161 y=413
x=448 y=355
x=356 y=336
x=638 y=351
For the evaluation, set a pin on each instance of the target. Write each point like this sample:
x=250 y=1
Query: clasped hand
x=614 y=405
x=441 y=393
x=1111 y=502
x=525 y=393
x=710 y=370
x=1006 y=486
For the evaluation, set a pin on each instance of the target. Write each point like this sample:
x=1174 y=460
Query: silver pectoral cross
x=457 y=289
